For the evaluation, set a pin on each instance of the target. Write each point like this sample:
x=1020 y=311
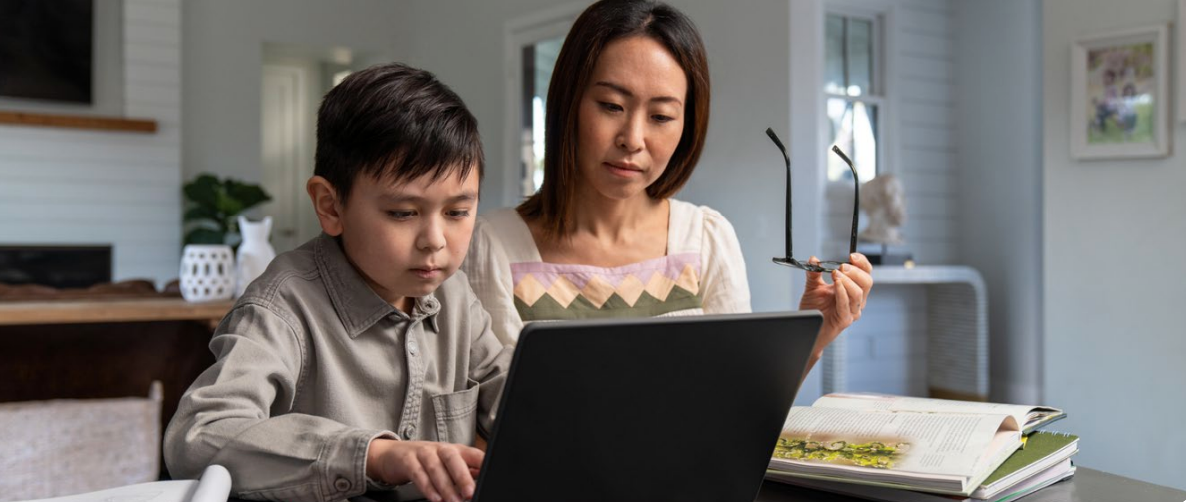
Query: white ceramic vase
x=255 y=252
x=207 y=272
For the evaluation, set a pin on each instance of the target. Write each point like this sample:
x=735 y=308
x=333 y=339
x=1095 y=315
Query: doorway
x=293 y=81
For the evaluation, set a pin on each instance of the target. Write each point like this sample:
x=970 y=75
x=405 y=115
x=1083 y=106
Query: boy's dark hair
x=396 y=123
x=602 y=23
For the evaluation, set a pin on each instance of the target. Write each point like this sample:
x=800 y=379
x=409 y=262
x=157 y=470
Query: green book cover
x=1038 y=446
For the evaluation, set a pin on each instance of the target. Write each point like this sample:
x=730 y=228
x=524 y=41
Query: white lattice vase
x=207 y=272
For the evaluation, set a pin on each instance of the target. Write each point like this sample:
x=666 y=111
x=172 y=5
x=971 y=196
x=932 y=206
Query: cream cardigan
x=703 y=273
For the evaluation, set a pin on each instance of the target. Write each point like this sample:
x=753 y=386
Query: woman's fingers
x=856 y=299
x=861 y=261
x=814 y=279
x=840 y=297
x=862 y=281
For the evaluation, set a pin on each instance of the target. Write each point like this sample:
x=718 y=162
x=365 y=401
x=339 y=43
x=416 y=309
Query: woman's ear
x=326 y=204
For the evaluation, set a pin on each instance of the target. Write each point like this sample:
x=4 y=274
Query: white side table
x=957 y=331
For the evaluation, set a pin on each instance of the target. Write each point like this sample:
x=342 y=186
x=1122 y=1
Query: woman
x=627 y=115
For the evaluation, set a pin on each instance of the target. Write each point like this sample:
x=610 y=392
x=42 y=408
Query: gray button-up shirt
x=312 y=365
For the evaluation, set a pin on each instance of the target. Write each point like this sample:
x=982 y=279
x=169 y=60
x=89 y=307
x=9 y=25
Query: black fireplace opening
x=56 y=266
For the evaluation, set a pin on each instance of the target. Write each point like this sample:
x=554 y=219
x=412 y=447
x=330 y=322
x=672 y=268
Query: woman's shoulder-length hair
x=604 y=22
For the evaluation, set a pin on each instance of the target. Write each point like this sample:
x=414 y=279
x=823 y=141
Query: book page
x=868 y=401
x=885 y=442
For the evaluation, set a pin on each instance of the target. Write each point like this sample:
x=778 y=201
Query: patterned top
x=546 y=291
x=703 y=272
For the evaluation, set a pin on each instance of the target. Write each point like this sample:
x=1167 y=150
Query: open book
x=1044 y=460
x=1029 y=417
x=857 y=440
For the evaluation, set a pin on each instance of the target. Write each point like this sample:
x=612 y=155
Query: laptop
x=672 y=408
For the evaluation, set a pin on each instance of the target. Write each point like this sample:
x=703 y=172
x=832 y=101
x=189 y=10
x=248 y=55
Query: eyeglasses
x=824 y=266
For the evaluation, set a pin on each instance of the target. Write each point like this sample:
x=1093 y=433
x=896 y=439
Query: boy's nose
x=432 y=236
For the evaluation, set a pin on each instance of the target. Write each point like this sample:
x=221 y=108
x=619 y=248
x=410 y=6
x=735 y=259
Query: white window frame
x=531 y=29
x=883 y=92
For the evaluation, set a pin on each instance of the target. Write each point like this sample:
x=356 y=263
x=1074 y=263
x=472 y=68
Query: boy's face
x=406 y=239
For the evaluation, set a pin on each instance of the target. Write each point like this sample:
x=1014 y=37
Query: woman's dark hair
x=396 y=123
x=600 y=24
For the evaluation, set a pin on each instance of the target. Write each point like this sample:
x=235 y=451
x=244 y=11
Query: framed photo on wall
x=1120 y=104
x=1181 y=61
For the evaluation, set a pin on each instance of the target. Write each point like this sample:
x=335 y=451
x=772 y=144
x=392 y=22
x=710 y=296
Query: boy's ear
x=326 y=204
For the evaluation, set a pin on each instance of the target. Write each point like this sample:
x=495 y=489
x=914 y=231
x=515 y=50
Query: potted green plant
x=213 y=204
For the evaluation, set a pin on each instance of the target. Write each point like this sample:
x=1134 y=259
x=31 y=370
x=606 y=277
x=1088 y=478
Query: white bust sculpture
x=881 y=199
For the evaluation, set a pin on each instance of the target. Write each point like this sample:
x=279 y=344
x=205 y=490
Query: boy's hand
x=442 y=471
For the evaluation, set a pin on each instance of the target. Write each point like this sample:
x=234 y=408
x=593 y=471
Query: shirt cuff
x=345 y=463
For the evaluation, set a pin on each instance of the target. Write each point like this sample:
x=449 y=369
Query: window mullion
x=844 y=52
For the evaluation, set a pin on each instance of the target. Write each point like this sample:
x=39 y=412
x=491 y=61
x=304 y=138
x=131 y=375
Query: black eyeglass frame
x=823 y=266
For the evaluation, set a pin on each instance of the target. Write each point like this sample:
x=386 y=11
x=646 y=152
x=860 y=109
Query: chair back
x=69 y=446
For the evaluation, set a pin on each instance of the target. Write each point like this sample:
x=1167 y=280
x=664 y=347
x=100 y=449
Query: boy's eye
x=612 y=107
x=459 y=213
x=401 y=215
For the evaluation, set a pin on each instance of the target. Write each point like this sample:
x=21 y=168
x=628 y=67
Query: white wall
x=1115 y=347
x=223 y=51
x=998 y=86
x=63 y=186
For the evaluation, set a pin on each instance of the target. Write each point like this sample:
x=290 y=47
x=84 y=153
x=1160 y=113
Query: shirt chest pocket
x=455 y=415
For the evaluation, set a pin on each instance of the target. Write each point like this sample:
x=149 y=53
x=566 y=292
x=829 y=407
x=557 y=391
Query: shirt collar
x=357 y=305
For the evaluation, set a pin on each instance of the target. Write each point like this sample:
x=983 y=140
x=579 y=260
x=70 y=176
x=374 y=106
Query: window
x=854 y=93
x=538 y=60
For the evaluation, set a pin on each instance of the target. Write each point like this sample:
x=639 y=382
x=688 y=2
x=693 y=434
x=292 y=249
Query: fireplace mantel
x=78 y=121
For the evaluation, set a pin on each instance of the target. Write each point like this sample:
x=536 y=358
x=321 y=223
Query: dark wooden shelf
x=78 y=121
x=107 y=311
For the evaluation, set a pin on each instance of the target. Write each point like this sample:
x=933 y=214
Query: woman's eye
x=401 y=215
x=662 y=119
x=612 y=107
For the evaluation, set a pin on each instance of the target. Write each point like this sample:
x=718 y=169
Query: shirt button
x=342 y=484
x=412 y=348
x=409 y=431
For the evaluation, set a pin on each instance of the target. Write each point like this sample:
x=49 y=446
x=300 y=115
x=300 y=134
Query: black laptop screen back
x=684 y=408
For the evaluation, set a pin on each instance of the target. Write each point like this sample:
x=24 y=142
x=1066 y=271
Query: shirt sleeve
x=726 y=289
x=238 y=414
x=489 y=272
x=490 y=361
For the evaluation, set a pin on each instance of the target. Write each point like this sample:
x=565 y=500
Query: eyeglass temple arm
x=856 y=199
x=783 y=149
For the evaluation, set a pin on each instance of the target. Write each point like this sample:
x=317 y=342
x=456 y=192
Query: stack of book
x=905 y=449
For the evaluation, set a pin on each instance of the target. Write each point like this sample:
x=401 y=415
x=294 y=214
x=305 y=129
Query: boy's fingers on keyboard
x=472 y=456
x=420 y=477
x=459 y=470
x=442 y=482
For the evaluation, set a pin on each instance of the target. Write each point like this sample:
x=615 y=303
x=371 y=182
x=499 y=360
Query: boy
x=359 y=360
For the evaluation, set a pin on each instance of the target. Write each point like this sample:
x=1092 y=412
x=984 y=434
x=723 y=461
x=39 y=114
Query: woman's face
x=630 y=118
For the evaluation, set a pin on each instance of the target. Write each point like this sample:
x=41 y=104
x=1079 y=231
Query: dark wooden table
x=1088 y=485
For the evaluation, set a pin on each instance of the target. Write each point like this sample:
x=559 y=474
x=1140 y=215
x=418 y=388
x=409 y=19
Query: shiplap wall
x=65 y=186
x=919 y=80
x=887 y=349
